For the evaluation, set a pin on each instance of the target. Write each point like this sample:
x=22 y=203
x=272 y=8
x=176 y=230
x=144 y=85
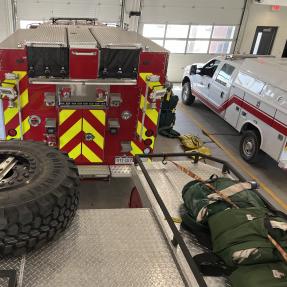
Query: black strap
x=210 y=264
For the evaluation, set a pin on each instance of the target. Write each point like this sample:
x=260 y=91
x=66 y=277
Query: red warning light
x=276 y=8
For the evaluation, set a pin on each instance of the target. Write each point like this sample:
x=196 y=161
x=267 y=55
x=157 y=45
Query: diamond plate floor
x=119 y=247
x=169 y=181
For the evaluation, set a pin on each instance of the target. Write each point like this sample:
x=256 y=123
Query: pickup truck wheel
x=186 y=95
x=250 y=146
x=39 y=195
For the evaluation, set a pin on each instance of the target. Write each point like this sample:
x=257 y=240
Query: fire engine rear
x=92 y=91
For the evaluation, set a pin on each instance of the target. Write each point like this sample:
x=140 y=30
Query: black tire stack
x=36 y=206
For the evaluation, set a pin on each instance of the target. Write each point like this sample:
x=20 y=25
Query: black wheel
x=39 y=195
x=250 y=146
x=186 y=95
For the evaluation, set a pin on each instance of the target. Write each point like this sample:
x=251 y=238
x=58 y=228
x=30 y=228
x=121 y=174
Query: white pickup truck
x=250 y=94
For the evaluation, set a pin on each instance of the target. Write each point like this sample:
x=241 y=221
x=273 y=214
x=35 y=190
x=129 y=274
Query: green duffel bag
x=240 y=236
x=201 y=201
x=260 y=275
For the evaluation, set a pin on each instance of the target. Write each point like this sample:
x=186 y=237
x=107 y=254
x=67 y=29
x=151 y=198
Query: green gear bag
x=260 y=275
x=239 y=236
x=199 y=207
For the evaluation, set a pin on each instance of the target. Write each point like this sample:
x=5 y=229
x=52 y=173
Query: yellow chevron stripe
x=70 y=133
x=144 y=137
x=25 y=128
x=150 y=84
x=90 y=155
x=64 y=115
x=135 y=149
x=21 y=75
x=151 y=113
x=76 y=151
x=100 y=116
x=10 y=113
x=99 y=139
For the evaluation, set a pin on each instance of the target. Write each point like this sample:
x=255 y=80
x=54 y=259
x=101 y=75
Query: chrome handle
x=84 y=53
x=123 y=46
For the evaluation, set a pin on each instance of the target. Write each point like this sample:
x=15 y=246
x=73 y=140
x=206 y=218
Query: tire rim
x=185 y=94
x=249 y=145
x=15 y=169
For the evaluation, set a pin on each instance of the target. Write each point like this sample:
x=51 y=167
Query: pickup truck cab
x=250 y=94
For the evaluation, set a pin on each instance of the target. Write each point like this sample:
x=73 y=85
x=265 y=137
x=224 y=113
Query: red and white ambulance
x=250 y=93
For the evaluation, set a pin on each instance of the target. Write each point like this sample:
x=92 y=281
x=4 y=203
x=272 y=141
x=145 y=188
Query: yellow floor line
x=244 y=167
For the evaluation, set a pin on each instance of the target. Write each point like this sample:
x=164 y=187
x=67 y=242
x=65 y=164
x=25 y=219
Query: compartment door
x=70 y=133
x=83 y=63
x=94 y=126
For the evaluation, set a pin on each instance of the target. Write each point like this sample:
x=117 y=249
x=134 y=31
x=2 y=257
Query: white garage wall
x=104 y=10
x=5 y=19
x=262 y=15
x=216 y=12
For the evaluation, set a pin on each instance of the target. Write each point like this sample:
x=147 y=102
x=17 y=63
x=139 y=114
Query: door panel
x=82 y=135
x=233 y=109
x=263 y=40
x=70 y=133
x=94 y=122
x=220 y=88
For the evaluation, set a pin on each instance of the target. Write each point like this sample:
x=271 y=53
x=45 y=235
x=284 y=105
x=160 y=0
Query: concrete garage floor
x=273 y=180
x=191 y=119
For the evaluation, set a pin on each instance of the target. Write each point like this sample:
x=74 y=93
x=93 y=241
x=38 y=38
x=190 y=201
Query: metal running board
x=94 y=171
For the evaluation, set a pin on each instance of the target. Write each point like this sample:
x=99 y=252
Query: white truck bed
x=115 y=247
x=120 y=247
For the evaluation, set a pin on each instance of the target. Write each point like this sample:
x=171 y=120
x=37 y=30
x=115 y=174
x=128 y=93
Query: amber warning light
x=276 y=8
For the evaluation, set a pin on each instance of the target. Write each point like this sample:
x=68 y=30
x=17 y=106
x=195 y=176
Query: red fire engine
x=92 y=91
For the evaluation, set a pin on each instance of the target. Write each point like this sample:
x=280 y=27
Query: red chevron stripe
x=23 y=84
x=277 y=125
x=13 y=124
x=73 y=142
x=94 y=122
x=148 y=124
x=95 y=148
x=75 y=117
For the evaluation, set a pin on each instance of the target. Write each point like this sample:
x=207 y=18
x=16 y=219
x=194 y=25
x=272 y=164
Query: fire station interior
x=143 y=143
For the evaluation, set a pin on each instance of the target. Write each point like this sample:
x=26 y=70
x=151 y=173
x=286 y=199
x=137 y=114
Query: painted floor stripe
x=247 y=170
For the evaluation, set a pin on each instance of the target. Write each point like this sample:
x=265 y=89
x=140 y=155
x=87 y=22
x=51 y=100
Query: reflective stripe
x=25 y=128
x=150 y=84
x=151 y=113
x=98 y=138
x=89 y=154
x=65 y=114
x=70 y=133
x=135 y=149
x=75 y=152
x=100 y=116
x=10 y=113
x=144 y=137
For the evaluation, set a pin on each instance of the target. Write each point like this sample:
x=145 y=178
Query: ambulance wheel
x=39 y=195
x=250 y=146
x=186 y=95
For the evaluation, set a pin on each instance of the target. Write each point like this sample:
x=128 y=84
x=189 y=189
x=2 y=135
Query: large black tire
x=250 y=146
x=186 y=95
x=38 y=197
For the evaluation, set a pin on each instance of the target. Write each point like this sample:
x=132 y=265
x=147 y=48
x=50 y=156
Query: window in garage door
x=204 y=39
